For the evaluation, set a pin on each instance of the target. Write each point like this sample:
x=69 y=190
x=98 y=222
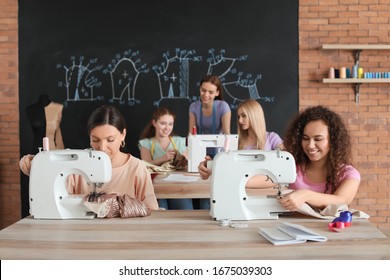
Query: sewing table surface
x=185 y=235
x=194 y=188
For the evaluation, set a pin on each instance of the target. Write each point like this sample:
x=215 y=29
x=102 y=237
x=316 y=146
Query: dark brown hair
x=215 y=81
x=149 y=130
x=106 y=114
x=340 y=151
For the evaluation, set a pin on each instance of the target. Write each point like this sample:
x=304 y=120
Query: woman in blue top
x=210 y=114
x=158 y=146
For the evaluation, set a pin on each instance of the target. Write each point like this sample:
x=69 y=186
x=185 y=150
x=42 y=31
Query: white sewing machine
x=230 y=172
x=197 y=145
x=49 y=197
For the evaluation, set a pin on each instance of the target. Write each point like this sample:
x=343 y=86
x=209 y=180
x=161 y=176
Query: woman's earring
x=123 y=144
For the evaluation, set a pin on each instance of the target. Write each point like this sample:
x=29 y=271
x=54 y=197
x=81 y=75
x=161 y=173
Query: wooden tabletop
x=164 y=188
x=194 y=188
x=182 y=234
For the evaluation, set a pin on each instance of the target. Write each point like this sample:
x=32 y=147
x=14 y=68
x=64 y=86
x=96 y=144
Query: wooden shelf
x=355 y=47
x=355 y=81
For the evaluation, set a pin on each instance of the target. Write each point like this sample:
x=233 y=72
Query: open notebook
x=287 y=233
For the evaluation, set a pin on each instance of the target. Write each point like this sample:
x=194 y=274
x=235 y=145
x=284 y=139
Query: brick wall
x=9 y=116
x=320 y=22
x=352 y=22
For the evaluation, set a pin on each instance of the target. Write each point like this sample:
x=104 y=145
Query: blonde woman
x=252 y=135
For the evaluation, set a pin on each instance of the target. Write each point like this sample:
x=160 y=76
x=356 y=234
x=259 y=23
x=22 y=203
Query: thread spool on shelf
x=331 y=73
x=360 y=73
x=343 y=73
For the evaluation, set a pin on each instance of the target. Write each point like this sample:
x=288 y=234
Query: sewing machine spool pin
x=198 y=144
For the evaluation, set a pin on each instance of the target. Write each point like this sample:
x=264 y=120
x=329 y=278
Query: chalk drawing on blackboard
x=124 y=72
x=80 y=80
x=174 y=73
x=236 y=85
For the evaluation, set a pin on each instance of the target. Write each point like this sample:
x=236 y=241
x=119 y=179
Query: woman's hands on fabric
x=294 y=200
x=25 y=164
x=170 y=155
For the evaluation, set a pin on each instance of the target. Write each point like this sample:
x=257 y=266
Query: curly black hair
x=340 y=152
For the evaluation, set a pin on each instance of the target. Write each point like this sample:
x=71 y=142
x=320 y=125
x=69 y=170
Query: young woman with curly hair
x=320 y=143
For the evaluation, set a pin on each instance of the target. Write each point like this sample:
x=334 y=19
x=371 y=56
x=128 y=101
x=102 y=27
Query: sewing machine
x=49 y=197
x=230 y=172
x=197 y=145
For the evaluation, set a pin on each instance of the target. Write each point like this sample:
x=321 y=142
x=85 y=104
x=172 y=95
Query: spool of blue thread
x=348 y=73
x=354 y=71
x=336 y=73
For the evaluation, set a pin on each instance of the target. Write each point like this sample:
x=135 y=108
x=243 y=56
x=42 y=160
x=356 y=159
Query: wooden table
x=195 y=189
x=171 y=189
x=181 y=234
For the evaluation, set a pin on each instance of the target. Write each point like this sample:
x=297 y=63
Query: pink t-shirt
x=303 y=183
x=132 y=178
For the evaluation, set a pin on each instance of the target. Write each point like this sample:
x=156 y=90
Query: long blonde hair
x=256 y=119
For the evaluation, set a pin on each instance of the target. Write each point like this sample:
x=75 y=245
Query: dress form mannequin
x=45 y=118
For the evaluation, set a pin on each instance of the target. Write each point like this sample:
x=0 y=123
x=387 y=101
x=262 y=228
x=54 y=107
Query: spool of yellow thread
x=360 y=73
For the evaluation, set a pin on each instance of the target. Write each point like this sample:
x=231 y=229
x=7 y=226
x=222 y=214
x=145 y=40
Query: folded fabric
x=155 y=169
x=132 y=207
x=111 y=206
x=331 y=211
x=178 y=163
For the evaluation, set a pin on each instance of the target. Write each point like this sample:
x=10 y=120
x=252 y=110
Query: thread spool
x=343 y=73
x=348 y=73
x=354 y=71
x=336 y=73
x=226 y=145
x=360 y=73
x=331 y=73
x=45 y=143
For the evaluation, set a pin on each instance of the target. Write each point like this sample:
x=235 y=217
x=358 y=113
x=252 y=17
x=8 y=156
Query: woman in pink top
x=107 y=132
x=320 y=143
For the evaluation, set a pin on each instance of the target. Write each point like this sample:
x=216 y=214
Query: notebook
x=288 y=233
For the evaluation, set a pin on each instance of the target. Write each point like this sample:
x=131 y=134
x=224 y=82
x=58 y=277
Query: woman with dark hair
x=320 y=143
x=107 y=132
x=210 y=114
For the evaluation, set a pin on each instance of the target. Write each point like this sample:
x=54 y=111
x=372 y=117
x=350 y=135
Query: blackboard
x=138 y=55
